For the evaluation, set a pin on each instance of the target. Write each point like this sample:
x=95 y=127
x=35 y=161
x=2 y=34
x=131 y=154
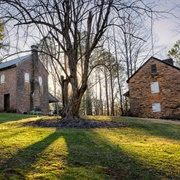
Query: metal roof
x=13 y=62
x=52 y=99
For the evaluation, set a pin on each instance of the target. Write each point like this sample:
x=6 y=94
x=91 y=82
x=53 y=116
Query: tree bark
x=88 y=103
x=106 y=90
x=118 y=75
x=71 y=110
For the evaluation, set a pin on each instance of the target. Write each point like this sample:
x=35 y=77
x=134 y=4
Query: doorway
x=6 y=102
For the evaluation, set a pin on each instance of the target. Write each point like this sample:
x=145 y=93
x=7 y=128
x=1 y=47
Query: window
x=153 y=69
x=154 y=87
x=26 y=77
x=40 y=80
x=156 y=107
x=2 y=78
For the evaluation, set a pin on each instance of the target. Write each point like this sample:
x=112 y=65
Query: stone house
x=154 y=90
x=24 y=84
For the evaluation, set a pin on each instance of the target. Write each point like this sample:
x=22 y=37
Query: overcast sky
x=166 y=31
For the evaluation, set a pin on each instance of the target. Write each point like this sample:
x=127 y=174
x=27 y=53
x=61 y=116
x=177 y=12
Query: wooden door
x=6 y=102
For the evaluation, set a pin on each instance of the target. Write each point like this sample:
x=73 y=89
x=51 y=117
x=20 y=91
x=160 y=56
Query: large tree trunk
x=71 y=109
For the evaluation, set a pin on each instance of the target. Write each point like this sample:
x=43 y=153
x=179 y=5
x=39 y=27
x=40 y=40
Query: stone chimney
x=34 y=50
x=169 y=61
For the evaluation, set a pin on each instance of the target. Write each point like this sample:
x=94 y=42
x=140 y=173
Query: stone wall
x=8 y=87
x=141 y=98
x=20 y=91
x=40 y=95
x=23 y=88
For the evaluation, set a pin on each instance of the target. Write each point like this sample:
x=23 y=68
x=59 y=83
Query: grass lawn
x=143 y=150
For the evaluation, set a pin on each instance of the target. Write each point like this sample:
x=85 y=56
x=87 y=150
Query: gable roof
x=13 y=62
x=161 y=61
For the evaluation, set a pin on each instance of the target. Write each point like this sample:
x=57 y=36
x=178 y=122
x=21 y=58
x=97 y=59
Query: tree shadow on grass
x=89 y=153
x=25 y=158
x=90 y=156
x=8 y=117
x=158 y=129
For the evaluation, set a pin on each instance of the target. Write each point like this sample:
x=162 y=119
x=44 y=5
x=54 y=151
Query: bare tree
x=4 y=43
x=119 y=71
x=69 y=23
x=88 y=102
x=133 y=40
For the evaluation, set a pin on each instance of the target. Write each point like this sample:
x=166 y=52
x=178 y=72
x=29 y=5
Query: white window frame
x=40 y=80
x=154 y=87
x=26 y=77
x=2 y=78
x=156 y=107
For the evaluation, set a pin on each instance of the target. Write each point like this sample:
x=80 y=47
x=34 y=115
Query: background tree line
x=89 y=48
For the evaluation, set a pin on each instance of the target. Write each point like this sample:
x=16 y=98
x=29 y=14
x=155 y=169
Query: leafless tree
x=133 y=41
x=73 y=25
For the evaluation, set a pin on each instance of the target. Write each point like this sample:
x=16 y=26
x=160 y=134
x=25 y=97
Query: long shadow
x=158 y=129
x=25 y=158
x=88 y=153
x=8 y=117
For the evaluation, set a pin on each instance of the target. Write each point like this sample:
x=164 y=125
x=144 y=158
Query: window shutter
x=154 y=87
x=26 y=77
x=156 y=107
x=40 y=80
x=2 y=78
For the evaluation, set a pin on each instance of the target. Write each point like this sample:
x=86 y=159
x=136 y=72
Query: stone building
x=154 y=90
x=24 y=84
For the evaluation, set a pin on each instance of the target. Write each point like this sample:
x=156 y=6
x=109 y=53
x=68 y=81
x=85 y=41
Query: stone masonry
x=20 y=92
x=8 y=88
x=168 y=98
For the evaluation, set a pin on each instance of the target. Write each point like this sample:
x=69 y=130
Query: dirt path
x=160 y=121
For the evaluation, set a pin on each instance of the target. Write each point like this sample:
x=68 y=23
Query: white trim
x=2 y=78
x=154 y=87
x=26 y=77
x=40 y=80
x=156 y=107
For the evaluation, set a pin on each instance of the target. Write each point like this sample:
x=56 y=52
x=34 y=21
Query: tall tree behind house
x=66 y=24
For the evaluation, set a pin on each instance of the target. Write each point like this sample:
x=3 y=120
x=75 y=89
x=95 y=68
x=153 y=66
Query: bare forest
x=89 y=47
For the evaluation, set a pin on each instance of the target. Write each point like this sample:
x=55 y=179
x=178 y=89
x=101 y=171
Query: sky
x=166 y=31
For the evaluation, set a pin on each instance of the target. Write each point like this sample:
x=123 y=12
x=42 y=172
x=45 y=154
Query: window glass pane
x=156 y=107
x=154 y=87
x=153 y=68
x=26 y=77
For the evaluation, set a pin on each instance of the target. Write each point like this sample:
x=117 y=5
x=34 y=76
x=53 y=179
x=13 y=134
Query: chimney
x=34 y=50
x=168 y=61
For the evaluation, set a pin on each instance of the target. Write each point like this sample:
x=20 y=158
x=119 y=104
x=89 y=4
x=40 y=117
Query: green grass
x=144 y=150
